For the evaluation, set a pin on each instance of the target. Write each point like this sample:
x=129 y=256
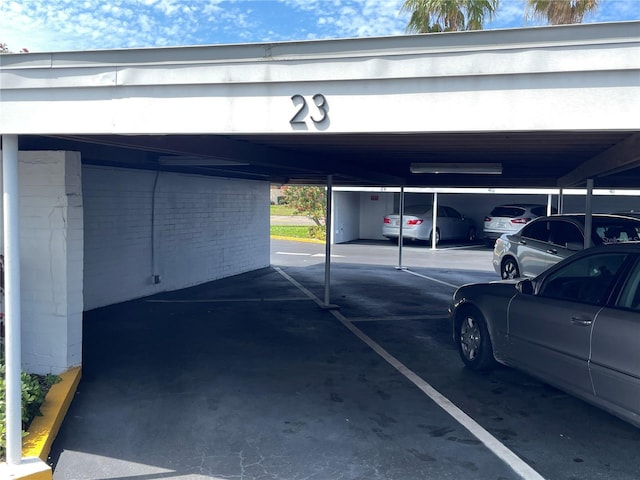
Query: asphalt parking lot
x=248 y=378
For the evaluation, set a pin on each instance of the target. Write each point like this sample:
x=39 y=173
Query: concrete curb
x=294 y=239
x=43 y=430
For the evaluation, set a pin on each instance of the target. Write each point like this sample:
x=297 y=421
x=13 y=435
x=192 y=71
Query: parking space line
x=431 y=278
x=398 y=318
x=229 y=300
x=518 y=465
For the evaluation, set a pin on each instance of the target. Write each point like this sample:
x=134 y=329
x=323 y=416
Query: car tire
x=437 y=237
x=509 y=269
x=473 y=340
x=471 y=234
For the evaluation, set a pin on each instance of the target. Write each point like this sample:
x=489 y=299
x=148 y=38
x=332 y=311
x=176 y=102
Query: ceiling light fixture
x=459 y=168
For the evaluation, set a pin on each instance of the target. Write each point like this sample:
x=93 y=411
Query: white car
x=510 y=218
x=418 y=224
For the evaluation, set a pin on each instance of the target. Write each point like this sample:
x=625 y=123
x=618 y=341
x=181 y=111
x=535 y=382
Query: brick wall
x=193 y=230
x=51 y=244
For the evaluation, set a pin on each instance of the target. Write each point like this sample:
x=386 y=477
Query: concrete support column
x=13 y=353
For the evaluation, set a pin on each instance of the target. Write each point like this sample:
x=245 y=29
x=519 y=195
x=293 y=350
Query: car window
x=541 y=210
x=565 y=233
x=630 y=295
x=442 y=212
x=418 y=210
x=507 y=211
x=537 y=231
x=452 y=212
x=615 y=230
x=586 y=280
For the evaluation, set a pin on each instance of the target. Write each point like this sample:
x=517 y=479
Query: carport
x=551 y=107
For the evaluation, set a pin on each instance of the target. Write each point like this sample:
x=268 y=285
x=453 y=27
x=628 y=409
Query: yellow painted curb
x=43 y=429
x=295 y=239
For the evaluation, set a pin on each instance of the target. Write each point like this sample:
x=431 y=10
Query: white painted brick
x=51 y=233
x=206 y=228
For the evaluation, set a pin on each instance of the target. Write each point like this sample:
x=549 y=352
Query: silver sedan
x=546 y=240
x=576 y=326
x=418 y=224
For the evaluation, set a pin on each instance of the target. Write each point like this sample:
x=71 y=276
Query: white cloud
x=45 y=25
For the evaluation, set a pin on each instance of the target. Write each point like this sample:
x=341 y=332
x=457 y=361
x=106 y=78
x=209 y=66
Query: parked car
x=628 y=213
x=418 y=224
x=510 y=218
x=576 y=326
x=545 y=241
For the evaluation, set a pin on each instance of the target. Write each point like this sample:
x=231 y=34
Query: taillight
x=487 y=219
x=520 y=220
x=387 y=220
x=417 y=221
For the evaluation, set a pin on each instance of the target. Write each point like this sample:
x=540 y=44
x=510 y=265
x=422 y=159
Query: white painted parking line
x=324 y=255
x=398 y=318
x=518 y=465
x=431 y=278
x=227 y=300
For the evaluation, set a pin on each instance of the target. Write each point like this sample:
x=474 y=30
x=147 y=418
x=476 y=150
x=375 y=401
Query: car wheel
x=509 y=269
x=474 y=343
x=471 y=234
x=437 y=237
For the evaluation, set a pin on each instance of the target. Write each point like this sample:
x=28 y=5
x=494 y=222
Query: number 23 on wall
x=302 y=112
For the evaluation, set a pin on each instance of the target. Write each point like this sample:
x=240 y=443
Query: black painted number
x=302 y=111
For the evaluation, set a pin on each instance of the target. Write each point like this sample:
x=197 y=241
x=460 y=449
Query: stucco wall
x=193 y=229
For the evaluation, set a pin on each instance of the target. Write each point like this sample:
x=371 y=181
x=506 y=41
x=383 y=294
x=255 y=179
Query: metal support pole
x=401 y=211
x=13 y=352
x=549 y=200
x=560 y=201
x=588 y=214
x=434 y=222
x=327 y=243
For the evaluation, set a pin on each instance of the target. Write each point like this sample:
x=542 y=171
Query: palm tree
x=560 y=12
x=448 y=15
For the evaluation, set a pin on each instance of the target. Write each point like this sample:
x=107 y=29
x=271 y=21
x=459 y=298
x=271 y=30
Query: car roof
x=524 y=205
x=579 y=217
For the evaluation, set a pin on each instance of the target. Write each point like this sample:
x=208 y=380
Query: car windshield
x=608 y=230
x=507 y=211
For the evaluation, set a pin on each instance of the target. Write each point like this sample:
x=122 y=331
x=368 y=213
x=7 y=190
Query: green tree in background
x=309 y=201
x=448 y=15
x=560 y=12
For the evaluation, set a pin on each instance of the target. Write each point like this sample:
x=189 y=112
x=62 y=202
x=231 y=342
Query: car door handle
x=581 y=321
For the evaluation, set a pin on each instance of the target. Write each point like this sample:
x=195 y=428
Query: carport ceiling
x=529 y=159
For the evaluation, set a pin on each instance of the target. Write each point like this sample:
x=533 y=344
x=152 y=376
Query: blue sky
x=62 y=25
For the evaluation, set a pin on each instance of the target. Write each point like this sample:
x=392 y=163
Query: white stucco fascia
x=579 y=77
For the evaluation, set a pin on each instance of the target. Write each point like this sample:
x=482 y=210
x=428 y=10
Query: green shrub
x=34 y=389
x=318 y=232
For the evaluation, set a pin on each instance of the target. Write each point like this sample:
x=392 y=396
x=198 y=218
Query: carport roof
x=529 y=159
x=553 y=105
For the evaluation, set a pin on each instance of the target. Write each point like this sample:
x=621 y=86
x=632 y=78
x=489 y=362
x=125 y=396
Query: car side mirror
x=525 y=287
